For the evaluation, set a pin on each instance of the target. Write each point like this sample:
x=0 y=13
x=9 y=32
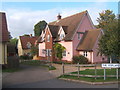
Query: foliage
x=13 y=41
x=109 y=44
x=58 y=49
x=39 y=27
x=34 y=50
x=25 y=35
x=25 y=57
x=105 y=18
x=52 y=68
x=79 y=59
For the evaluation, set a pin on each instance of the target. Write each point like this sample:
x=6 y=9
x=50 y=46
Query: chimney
x=30 y=35
x=59 y=16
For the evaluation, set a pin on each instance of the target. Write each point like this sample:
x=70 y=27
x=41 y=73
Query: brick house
x=76 y=33
x=4 y=38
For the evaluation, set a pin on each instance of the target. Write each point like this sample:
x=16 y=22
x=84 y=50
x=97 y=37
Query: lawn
x=38 y=63
x=99 y=72
x=92 y=72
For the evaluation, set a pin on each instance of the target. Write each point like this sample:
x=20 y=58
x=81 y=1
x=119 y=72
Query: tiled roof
x=4 y=35
x=89 y=39
x=26 y=39
x=54 y=30
x=71 y=22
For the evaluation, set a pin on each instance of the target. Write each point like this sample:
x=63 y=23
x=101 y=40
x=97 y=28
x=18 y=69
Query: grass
x=89 y=79
x=99 y=72
x=11 y=70
x=31 y=62
x=92 y=72
x=38 y=63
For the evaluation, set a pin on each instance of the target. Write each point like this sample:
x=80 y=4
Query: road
x=41 y=77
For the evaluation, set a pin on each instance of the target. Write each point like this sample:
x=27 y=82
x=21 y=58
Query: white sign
x=108 y=65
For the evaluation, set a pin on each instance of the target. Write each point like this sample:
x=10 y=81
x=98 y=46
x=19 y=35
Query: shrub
x=25 y=57
x=79 y=59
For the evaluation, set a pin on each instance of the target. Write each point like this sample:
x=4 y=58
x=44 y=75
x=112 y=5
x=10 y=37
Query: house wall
x=97 y=58
x=83 y=26
x=69 y=50
x=3 y=53
x=49 y=45
x=41 y=47
x=89 y=55
x=20 y=50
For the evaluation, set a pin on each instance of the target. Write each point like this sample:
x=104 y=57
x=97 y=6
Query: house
x=76 y=33
x=4 y=38
x=25 y=43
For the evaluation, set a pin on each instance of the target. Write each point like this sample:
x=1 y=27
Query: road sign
x=112 y=65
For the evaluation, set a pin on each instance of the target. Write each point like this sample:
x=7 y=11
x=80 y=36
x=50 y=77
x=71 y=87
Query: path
x=40 y=77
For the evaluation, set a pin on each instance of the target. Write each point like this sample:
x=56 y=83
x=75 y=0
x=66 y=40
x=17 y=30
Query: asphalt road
x=40 y=77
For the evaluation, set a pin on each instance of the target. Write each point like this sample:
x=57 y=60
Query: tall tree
x=39 y=27
x=105 y=18
x=108 y=44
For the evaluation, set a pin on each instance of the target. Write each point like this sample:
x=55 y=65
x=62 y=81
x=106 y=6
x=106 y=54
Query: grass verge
x=92 y=72
x=11 y=70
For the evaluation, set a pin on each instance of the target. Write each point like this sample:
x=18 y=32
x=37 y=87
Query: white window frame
x=48 y=38
x=64 y=53
x=85 y=54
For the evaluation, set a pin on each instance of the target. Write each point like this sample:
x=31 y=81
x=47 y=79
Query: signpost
x=111 y=65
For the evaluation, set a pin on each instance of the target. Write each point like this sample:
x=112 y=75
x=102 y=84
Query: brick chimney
x=59 y=16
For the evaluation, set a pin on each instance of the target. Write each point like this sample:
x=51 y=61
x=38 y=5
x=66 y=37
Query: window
x=85 y=53
x=48 y=38
x=43 y=51
x=79 y=36
x=61 y=36
x=48 y=52
x=64 y=53
x=29 y=45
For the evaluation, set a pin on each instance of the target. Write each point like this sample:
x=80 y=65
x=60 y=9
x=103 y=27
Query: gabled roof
x=54 y=30
x=4 y=35
x=71 y=22
x=89 y=39
x=25 y=39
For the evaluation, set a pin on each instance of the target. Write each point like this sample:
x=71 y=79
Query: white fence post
x=117 y=73
x=104 y=74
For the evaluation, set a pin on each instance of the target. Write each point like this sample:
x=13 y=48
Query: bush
x=79 y=59
x=25 y=57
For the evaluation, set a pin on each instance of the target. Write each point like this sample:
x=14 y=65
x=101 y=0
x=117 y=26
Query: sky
x=22 y=16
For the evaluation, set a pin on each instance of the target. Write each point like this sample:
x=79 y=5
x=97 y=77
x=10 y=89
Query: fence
x=94 y=67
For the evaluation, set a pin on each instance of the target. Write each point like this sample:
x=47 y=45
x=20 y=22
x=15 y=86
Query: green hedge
x=80 y=59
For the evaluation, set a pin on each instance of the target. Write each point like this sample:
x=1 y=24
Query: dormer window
x=61 y=36
x=79 y=36
x=29 y=45
x=48 y=38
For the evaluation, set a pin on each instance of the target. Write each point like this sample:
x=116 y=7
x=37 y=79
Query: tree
x=13 y=41
x=109 y=42
x=39 y=27
x=58 y=49
x=34 y=50
x=105 y=18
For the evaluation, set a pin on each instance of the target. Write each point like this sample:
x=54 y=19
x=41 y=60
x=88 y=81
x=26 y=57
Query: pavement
x=41 y=77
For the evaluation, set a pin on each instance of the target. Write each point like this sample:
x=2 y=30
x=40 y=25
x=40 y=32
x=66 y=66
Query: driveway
x=40 y=77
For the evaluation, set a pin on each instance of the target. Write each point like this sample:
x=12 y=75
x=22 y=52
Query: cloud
x=22 y=21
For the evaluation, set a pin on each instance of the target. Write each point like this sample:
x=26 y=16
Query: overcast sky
x=22 y=16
